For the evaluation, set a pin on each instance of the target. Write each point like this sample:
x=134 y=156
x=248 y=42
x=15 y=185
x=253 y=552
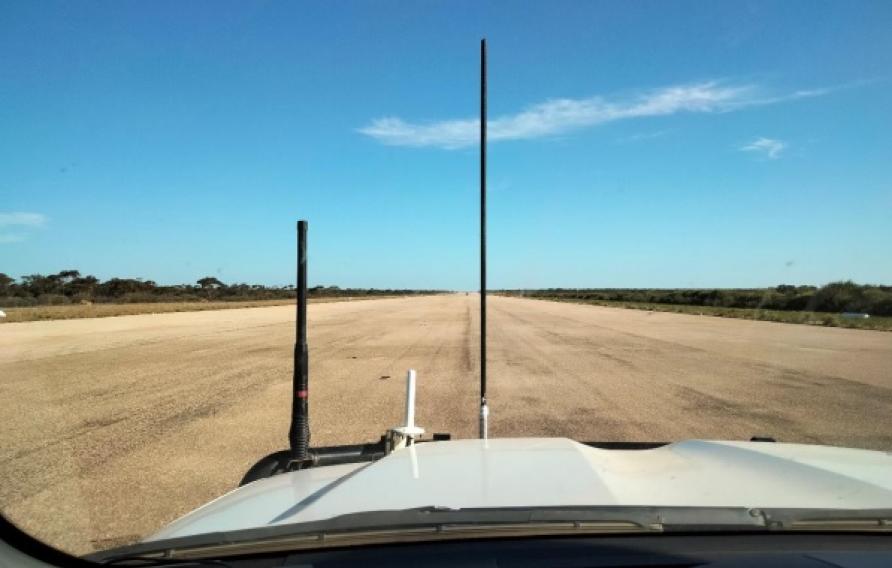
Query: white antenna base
x=484 y=421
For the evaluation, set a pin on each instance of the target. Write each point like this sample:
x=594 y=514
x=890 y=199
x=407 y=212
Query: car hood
x=553 y=472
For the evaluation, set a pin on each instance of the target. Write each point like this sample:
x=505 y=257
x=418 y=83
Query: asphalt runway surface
x=114 y=427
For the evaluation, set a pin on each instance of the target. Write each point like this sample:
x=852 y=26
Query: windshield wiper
x=143 y=560
x=826 y=519
x=441 y=523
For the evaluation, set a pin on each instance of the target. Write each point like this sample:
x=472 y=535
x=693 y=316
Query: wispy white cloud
x=21 y=223
x=768 y=146
x=557 y=116
x=22 y=219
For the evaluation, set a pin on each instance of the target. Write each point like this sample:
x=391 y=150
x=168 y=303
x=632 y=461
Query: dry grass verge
x=878 y=323
x=75 y=311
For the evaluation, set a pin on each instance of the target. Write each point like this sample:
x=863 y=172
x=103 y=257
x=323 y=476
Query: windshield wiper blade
x=409 y=534
x=148 y=561
x=826 y=519
x=426 y=523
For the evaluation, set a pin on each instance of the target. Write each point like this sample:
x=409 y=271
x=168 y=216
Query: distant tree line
x=834 y=297
x=70 y=286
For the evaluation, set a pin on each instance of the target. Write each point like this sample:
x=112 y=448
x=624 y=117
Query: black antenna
x=299 y=433
x=484 y=409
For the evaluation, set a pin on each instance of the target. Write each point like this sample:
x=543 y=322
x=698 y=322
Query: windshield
x=687 y=230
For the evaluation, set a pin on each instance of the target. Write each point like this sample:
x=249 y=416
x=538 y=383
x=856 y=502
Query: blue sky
x=644 y=144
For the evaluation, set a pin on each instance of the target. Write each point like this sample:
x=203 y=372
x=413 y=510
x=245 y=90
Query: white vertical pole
x=410 y=399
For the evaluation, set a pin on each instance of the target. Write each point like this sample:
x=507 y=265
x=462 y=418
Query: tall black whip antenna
x=484 y=409
x=299 y=433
